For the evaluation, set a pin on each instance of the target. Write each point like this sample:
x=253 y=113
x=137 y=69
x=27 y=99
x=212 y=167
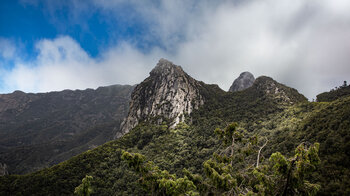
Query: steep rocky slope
x=38 y=130
x=244 y=81
x=167 y=94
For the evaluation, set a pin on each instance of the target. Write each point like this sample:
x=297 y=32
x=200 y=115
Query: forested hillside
x=285 y=118
x=341 y=91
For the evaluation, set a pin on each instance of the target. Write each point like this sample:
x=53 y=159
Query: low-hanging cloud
x=63 y=64
x=303 y=43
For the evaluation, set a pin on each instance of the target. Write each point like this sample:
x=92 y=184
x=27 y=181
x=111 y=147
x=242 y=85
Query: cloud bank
x=304 y=44
x=63 y=64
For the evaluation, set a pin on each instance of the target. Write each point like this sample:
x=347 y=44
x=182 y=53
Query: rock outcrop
x=244 y=81
x=3 y=169
x=168 y=93
x=277 y=92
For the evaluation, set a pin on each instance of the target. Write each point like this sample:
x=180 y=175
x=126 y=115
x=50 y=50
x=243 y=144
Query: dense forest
x=187 y=151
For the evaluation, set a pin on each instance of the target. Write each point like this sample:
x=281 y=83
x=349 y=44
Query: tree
x=238 y=169
x=237 y=173
x=158 y=182
x=84 y=189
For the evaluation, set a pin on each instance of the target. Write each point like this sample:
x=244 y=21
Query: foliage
x=332 y=95
x=84 y=189
x=156 y=181
x=279 y=176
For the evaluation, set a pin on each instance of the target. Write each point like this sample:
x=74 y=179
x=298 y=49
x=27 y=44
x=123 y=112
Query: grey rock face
x=168 y=92
x=3 y=169
x=245 y=80
x=278 y=92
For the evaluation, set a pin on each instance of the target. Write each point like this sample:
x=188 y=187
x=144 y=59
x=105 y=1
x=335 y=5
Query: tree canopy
x=235 y=170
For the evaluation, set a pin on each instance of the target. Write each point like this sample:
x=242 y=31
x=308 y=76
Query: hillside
x=40 y=130
x=267 y=108
x=332 y=95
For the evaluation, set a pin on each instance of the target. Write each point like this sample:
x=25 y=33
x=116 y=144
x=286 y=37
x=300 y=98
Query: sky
x=77 y=44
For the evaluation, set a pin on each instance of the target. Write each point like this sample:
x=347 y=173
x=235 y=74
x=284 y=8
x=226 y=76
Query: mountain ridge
x=35 y=128
x=186 y=146
x=267 y=108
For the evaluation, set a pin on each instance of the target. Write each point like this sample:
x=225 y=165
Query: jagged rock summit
x=244 y=81
x=168 y=93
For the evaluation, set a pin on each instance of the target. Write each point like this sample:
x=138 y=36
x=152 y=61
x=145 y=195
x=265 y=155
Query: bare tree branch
x=261 y=147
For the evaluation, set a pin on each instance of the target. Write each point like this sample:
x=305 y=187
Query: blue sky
x=56 y=45
x=27 y=22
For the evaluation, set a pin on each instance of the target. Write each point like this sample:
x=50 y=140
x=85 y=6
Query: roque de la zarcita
x=168 y=92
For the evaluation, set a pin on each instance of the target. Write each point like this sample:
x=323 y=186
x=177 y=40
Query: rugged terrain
x=168 y=93
x=40 y=130
x=267 y=108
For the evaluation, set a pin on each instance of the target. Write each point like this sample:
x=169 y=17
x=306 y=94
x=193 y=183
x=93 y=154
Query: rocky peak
x=276 y=91
x=168 y=93
x=244 y=81
x=165 y=68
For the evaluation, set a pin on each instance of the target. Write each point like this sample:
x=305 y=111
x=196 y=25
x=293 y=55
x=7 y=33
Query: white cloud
x=7 y=48
x=302 y=43
x=63 y=64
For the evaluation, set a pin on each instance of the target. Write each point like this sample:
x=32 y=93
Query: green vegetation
x=84 y=189
x=231 y=172
x=156 y=181
x=341 y=91
x=285 y=124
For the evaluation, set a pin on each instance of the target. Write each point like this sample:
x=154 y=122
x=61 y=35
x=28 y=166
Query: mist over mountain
x=45 y=45
x=185 y=97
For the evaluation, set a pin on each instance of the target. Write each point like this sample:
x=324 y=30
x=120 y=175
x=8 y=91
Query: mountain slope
x=186 y=146
x=332 y=95
x=39 y=130
x=267 y=108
